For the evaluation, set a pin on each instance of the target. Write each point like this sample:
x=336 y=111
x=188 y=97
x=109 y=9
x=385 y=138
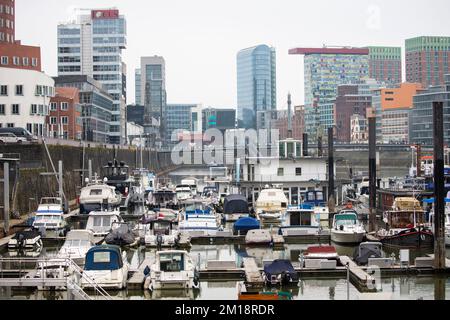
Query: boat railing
x=36 y=272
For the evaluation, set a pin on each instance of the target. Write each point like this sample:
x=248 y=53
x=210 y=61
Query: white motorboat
x=101 y=222
x=346 y=228
x=77 y=244
x=97 y=196
x=192 y=183
x=183 y=192
x=26 y=240
x=49 y=218
x=172 y=270
x=271 y=204
x=161 y=234
x=163 y=198
x=107 y=266
x=258 y=237
x=301 y=220
x=199 y=219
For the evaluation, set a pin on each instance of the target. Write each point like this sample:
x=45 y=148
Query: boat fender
x=422 y=236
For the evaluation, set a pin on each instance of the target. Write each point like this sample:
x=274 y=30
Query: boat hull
x=414 y=239
x=347 y=237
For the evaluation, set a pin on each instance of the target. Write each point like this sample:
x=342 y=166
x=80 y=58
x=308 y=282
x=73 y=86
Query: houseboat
x=405 y=225
x=300 y=220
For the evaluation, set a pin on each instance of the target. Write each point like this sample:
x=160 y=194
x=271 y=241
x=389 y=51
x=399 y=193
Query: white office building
x=93 y=46
x=24 y=99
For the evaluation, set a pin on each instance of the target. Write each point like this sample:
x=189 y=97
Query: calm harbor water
x=398 y=288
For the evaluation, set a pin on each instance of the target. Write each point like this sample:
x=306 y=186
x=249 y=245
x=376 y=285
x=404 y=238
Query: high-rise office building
x=325 y=69
x=385 y=64
x=137 y=86
x=427 y=60
x=153 y=91
x=421 y=119
x=256 y=84
x=93 y=46
x=7 y=21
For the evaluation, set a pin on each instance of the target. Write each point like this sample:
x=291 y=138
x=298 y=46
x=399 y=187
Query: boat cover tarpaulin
x=235 y=203
x=245 y=224
x=104 y=257
x=278 y=267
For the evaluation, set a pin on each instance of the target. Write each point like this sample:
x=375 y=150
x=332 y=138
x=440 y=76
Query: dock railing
x=63 y=272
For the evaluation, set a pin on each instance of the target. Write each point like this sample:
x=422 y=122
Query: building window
x=16 y=61
x=298 y=171
x=33 y=109
x=10 y=125
x=53 y=106
x=39 y=90
x=25 y=61
x=34 y=62
x=5 y=60
x=53 y=120
x=280 y=172
x=19 y=90
x=3 y=90
x=15 y=109
x=2 y=109
x=29 y=127
x=65 y=120
x=64 y=106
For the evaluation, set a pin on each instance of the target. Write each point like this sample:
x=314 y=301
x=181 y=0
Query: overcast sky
x=199 y=39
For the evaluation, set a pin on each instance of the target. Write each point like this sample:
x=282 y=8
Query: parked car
x=7 y=137
x=20 y=133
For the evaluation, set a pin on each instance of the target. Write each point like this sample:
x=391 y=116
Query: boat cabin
x=171 y=261
x=118 y=175
x=407 y=213
x=100 y=223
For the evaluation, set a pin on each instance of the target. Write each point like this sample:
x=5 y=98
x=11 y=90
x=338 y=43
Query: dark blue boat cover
x=279 y=266
x=104 y=257
x=235 y=203
x=246 y=223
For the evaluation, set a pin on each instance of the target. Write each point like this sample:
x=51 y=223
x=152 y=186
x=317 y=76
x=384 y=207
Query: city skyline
x=218 y=31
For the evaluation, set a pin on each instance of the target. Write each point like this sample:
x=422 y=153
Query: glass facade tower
x=256 y=84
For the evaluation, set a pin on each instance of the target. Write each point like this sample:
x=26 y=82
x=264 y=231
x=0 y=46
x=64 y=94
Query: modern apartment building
x=256 y=85
x=92 y=46
x=97 y=106
x=385 y=64
x=427 y=60
x=324 y=70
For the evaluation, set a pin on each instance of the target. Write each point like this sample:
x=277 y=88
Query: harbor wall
x=32 y=185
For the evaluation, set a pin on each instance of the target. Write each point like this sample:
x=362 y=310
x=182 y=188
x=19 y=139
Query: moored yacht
x=271 y=204
x=101 y=222
x=49 y=218
x=172 y=270
x=95 y=195
x=77 y=244
x=346 y=228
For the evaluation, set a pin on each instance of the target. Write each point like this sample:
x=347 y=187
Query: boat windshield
x=96 y=192
x=346 y=222
x=171 y=262
x=54 y=218
x=102 y=221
